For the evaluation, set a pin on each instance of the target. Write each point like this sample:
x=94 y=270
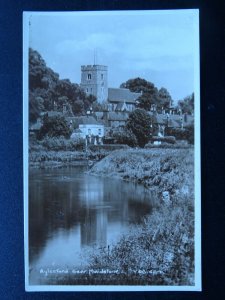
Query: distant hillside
x=48 y=92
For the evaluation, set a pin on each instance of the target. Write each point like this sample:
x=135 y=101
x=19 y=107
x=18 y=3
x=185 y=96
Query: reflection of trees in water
x=52 y=206
x=61 y=200
x=94 y=227
x=137 y=211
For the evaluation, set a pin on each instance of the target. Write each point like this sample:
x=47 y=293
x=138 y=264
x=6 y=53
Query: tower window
x=87 y=90
x=89 y=76
x=102 y=76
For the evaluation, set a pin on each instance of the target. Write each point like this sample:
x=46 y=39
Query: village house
x=88 y=128
x=117 y=103
x=162 y=121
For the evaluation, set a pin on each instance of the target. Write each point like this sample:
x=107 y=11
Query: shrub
x=108 y=147
x=126 y=137
x=62 y=144
x=167 y=145
x=182 y=133
x=55 y=126
x=139 y=122
x=165 y=139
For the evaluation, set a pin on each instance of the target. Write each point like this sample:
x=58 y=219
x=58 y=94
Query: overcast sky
x=158 y=46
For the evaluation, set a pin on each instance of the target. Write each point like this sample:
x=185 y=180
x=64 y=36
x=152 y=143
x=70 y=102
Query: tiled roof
x=122 y=95
x=52 y=113
x=173 y=120
x=83 y=120
x=99 y=114
x=117 y=116
x=120 y=106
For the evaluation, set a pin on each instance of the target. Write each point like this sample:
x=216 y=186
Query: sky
x=159 y=46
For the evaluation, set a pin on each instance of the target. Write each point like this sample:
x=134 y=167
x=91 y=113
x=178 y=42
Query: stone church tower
x=94 y=81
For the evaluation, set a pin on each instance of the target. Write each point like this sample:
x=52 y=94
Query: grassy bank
x=57 y=152
x=165 y=169
x=45 y=158
x=161 y=250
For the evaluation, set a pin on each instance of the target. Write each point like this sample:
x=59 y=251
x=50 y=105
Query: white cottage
x=88 y=128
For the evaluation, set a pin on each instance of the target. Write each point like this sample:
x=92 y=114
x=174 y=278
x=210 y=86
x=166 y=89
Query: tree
x=35 y=107
x=164 y=98
x=125 y=136
x=149 y=91
x=139 y=122
x=45 y=83
x=78 y=107
x=187 y=104
x=54 y=127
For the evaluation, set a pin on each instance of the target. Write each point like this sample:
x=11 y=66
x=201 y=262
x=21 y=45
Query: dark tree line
x=150 y=94
x=187 y=104
x=159 y=98
x=48 y=92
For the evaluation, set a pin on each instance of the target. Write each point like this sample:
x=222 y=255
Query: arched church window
x=89 y=76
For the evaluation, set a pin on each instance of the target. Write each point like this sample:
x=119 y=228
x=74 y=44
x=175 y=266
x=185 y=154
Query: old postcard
x=112 y=196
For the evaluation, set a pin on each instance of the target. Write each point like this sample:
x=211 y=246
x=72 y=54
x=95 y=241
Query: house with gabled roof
x=87 y=127
x=171 y=121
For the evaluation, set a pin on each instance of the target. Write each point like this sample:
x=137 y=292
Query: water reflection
x=69 y=210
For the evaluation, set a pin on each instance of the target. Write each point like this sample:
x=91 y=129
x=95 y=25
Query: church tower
x=94 y=81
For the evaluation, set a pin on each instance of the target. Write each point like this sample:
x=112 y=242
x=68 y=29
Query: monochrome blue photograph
x=111 y=105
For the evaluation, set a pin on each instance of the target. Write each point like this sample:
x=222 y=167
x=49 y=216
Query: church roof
x=122 y=95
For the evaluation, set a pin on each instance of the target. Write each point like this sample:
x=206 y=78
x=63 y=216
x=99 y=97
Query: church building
x=94 y=81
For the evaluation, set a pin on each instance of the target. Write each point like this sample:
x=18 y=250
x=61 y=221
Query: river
x=71 y=212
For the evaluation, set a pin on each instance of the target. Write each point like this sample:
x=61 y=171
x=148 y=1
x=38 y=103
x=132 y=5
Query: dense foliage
x=186 y=133
x=161 y=250
x=126 y=137
x=150 y=94
x=139 y=123
x=187 y=104
x=54 y=127
x=48 y=92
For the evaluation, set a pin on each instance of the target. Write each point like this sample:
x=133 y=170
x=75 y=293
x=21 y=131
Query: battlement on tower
x=93 y=68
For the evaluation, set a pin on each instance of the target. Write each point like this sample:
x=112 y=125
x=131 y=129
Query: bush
x=55 y=126
x=62 y=144
x=167 y=145
x=139 y=122
x=108 y=147
x=182 y=133
x=165 y=139
x=126 y=137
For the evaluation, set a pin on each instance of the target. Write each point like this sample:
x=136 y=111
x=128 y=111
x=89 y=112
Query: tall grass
x=160 y=251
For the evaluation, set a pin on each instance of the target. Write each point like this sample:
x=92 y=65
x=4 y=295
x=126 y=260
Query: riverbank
x=50 y=159
x=162 y=169
x=60 y=152
x=161 y=250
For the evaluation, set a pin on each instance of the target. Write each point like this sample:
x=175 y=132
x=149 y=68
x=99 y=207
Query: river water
x=71 y=211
